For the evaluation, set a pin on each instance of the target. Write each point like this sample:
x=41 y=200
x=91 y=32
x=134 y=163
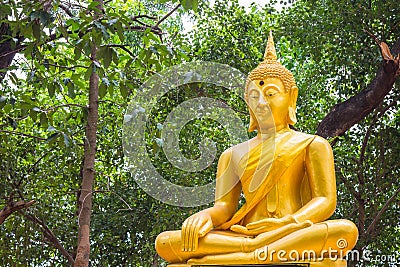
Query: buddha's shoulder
x=316 y=138
x=237 y=151
x=301 y=135
x=317 y=142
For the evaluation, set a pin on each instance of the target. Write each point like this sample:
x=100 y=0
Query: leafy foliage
x=43 y=112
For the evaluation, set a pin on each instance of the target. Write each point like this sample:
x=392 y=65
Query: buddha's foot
x=272 y=236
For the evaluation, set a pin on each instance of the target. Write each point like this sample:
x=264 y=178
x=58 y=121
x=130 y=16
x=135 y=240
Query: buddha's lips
x=262 y=110
x=263 y=113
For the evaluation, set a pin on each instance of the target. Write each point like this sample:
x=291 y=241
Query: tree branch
x=384 y=208
x=51 y=237
x=24 y=134
x=350 y=186
x=65 y=105
x=123 y=47
x=353 y=110
x=377 y=115
x=66 y=9
x=135 y=18
x=167 y=15
x=67 y=67
x=153 y=29
x=12 y=207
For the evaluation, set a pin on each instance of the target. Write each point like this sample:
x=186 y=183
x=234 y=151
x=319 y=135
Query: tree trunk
x=88 y=171
x=353 y=110
x=7 y=53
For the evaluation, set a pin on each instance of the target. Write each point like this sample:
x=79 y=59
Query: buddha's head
x=271 y=90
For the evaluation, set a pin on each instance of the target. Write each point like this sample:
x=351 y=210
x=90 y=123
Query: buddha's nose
x=262 y=102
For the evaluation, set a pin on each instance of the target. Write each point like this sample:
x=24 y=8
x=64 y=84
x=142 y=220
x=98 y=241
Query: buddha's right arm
x=226 y=202
x=227 y=190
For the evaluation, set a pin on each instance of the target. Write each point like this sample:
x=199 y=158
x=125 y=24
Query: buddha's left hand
x=264 y=225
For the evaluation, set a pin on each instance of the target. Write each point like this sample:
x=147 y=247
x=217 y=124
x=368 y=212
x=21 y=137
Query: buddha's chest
x=284 y=197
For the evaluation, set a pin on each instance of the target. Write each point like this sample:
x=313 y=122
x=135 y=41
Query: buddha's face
x=269 y=103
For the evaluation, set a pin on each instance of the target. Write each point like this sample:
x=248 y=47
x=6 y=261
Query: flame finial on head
x=270 y=52
x=271 y=67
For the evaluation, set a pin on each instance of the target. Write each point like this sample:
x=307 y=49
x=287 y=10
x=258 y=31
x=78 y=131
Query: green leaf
x=102 y=90
x=52 y=138
x=3 y=101
x=66 y=140
x=44 y=120
x=36 y=30
x=190 y=4
x=93 y=5
x=77 y=53
x=33 y=114
x=5 y=11
x=26 y=105
x=84 y=114
x=123 y=89
x=51 y=89
x=71 y=90
x=107 y=57
x=7 y=108
x=45 y=18
x=195 y=5
x=120 y=31
x=115 y=57
x=14 y=77
x=88 y=72
x=103 y=30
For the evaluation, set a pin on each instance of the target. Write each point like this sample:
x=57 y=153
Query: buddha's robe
x=262 y=168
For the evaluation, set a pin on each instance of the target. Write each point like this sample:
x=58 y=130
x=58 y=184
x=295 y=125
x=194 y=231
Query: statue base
x=323 y=263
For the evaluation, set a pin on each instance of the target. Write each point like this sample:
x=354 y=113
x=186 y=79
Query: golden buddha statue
x=288 y=181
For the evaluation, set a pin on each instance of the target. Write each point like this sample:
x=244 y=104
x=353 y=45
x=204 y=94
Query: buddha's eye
x=271 y=92
x=253 y=95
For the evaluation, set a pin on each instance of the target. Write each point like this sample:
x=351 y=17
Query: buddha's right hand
x=194 y=227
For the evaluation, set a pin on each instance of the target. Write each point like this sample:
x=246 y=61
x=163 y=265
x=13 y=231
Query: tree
x=54 y=54
x=67 y=47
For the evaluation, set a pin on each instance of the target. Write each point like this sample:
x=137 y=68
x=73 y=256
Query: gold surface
x=323 y=263
x=288 y=181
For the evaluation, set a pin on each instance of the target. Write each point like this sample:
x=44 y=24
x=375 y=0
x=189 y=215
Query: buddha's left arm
x=321 y=174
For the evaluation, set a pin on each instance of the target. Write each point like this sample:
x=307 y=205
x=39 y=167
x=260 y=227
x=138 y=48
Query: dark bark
x=12 y=207
x=51 y=237
x=7 y=52
x=348 y=113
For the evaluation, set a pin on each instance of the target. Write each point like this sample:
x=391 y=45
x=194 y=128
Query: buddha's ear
x=253 y=122
x=294 y=91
